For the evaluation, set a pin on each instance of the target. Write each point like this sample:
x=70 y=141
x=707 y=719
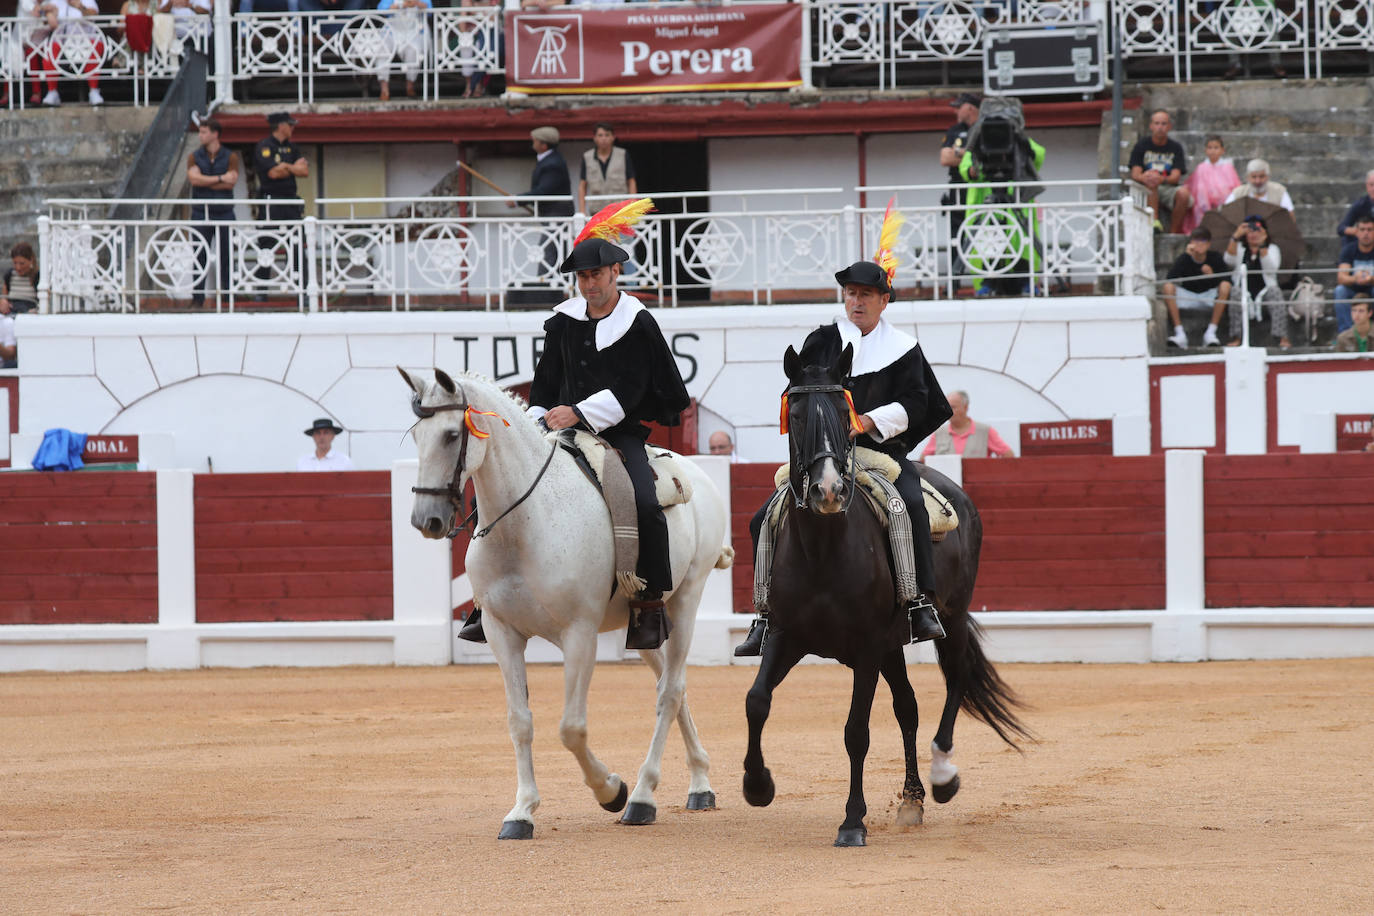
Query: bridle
x=454 y=490
x=843 y=457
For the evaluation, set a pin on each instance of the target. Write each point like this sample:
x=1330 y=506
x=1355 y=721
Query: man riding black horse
x=899 y=402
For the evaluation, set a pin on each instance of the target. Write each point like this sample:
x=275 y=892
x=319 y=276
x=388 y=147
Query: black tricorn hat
x=591 y=254
x=323 y=423
x=865 y=273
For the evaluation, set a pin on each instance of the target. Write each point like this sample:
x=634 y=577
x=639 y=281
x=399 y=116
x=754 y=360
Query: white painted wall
x=412 y=169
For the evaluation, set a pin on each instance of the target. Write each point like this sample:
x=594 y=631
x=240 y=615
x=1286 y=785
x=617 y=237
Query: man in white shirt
x=324 y=458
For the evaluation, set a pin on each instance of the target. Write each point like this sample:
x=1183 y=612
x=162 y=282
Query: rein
x=848 y=459
x=454 y=490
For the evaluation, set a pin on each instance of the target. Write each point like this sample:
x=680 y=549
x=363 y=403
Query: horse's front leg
x=579 y=660
x=779 y=657
x=910 y=813
x=852 y=831
x=509 y=648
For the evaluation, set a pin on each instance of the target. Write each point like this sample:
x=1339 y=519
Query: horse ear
x=409 y=381
x=791 y=364
x=846 y=362
x=444 y=381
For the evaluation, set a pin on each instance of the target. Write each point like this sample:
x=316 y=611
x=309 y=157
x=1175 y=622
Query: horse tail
x=986 y=696
x=726 y=558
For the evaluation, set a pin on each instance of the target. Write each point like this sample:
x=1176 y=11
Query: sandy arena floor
x=1201 y=788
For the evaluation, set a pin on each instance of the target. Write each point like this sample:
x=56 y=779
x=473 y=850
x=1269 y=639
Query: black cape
x=639 y=369
x=908 y=381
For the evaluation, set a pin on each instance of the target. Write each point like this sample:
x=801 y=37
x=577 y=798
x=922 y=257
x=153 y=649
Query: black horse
x=832 y=595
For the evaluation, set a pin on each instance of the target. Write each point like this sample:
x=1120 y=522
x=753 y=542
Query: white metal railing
x=747 y=246
x=881 y=43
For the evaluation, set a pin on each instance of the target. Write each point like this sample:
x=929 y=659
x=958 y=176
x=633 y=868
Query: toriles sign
x=1067 y=437
x=663 y=49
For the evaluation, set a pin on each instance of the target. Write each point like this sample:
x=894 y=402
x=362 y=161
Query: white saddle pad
x=671 y=485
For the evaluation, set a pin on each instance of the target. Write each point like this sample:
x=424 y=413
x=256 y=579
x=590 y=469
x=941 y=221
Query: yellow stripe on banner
x=646 y=90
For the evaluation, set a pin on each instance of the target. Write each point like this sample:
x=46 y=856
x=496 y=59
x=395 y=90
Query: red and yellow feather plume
x=886 y=255
x=614 y=222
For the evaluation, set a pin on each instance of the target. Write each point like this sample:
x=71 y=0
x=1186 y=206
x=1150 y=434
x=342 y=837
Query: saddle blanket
x=671 y=485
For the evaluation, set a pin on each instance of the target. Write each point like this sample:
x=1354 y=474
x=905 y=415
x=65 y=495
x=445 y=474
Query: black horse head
x=817 y=417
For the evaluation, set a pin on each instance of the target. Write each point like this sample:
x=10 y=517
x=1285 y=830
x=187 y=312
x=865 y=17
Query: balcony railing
x=736 y=246
x=882 y=44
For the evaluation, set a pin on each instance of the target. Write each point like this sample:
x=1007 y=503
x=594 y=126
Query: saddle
x=867 y=463
x=671 y=487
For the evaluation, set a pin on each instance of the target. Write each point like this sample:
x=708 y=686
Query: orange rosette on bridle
x=472 y=427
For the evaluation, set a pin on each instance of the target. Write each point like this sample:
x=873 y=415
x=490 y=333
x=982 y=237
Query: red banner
x=1354 y=431
x=110 y=449
x=1067 y=437
x=655 y=49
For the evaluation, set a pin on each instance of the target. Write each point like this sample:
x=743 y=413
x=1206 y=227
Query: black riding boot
x=649 y=625
x=472 y=629
x=924 y=620
x=753 y=643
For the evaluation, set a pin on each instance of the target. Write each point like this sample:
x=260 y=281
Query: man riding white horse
x=899 y=402
x=606 y=368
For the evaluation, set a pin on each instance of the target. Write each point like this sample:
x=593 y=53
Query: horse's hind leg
x=910 y=813
x=700 y=797
x=944 y=775
x=579 y=660
x=778 y=659
x=509 y=648
x=856 y=737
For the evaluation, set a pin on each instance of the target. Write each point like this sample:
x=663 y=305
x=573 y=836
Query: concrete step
x=1284 y=148
x=74 y=120
x=1264 y=95
x=1307 y=119
x=120 y=145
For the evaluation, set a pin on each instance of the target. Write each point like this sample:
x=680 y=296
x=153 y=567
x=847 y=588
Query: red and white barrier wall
x=1181 y=556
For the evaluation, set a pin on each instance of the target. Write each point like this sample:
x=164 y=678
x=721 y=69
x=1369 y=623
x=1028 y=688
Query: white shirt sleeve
x=890 y=420
x=601 y=410
x=536 y=413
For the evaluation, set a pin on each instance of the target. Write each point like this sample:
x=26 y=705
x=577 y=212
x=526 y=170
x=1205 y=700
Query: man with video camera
x=1000 y=166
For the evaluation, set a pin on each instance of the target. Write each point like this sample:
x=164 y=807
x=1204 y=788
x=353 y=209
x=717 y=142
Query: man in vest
x=899 y=402
x=212 y=171
x=606 y=169
x=279 y=162
x=961 y=436
x=606 y=368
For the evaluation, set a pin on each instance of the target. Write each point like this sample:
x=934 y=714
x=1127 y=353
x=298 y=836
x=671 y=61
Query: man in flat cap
x=278 y=163
x=606 y=368
x=550 y=179
x=899 y=402
x=951 y=153
x=324 y=457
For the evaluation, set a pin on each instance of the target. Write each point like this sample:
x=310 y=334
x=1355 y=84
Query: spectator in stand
x=471 y=39
x=962 y=436
x=951 y=154
x=1355 y=270
x=34 y=22
x=324 y=458
x=9 y=347
x=1258 y=186
x=269 y=6
x=1363 y=206
x=1250 y=246
x=330 y=6
x=606 y=169
x=405 y=34
x=1158 y=163
x=541 y=5
x=183 y=13
x=1203 y=282
x=721 y=445
x=549 y=179
x=1357 y=337
x=1210 y=181
x=212 y=170
x=20 y=285
x=68 y=28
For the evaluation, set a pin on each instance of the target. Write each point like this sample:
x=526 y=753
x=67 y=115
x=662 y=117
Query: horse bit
x=828 y=452
x=454 y=490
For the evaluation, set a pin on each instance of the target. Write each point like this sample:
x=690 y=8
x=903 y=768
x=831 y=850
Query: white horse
x=544 y=566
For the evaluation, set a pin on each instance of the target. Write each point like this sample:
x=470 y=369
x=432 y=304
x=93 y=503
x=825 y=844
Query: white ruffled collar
x=613 y=326
x=877 y=350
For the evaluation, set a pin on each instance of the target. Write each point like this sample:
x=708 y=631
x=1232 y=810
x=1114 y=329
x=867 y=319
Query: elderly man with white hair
x=1258 y=186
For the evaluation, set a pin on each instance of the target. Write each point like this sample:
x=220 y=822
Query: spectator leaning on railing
x=20 y=283
x=1355 y=270
x=1363 y=206
x=1356 y=338
x=1258 y=186
x=962 y=436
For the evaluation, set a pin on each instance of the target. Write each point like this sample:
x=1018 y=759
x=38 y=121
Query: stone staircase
x=74 y=151
x=1318 y=137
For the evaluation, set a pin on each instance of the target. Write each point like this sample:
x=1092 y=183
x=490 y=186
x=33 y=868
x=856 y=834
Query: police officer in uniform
x=278 y=163
x=606 y=368
x=212 y=171
x=899 y=401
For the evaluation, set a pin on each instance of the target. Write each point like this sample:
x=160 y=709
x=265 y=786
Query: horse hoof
x=944 y=793
x=516 y=830
x=618 y=802
x=911 y=814
x=852 y=836
x=701 y=801
x=760 y=792
x=639 y=815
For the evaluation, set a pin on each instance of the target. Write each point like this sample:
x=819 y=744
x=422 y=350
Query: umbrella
x=1283 y=230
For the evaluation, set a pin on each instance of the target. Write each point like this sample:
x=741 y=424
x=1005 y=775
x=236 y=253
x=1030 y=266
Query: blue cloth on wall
x=60 y=451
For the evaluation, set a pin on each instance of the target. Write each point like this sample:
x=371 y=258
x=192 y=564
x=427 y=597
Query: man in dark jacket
x=550 y=179
x=606 y=368
x=899 y=402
